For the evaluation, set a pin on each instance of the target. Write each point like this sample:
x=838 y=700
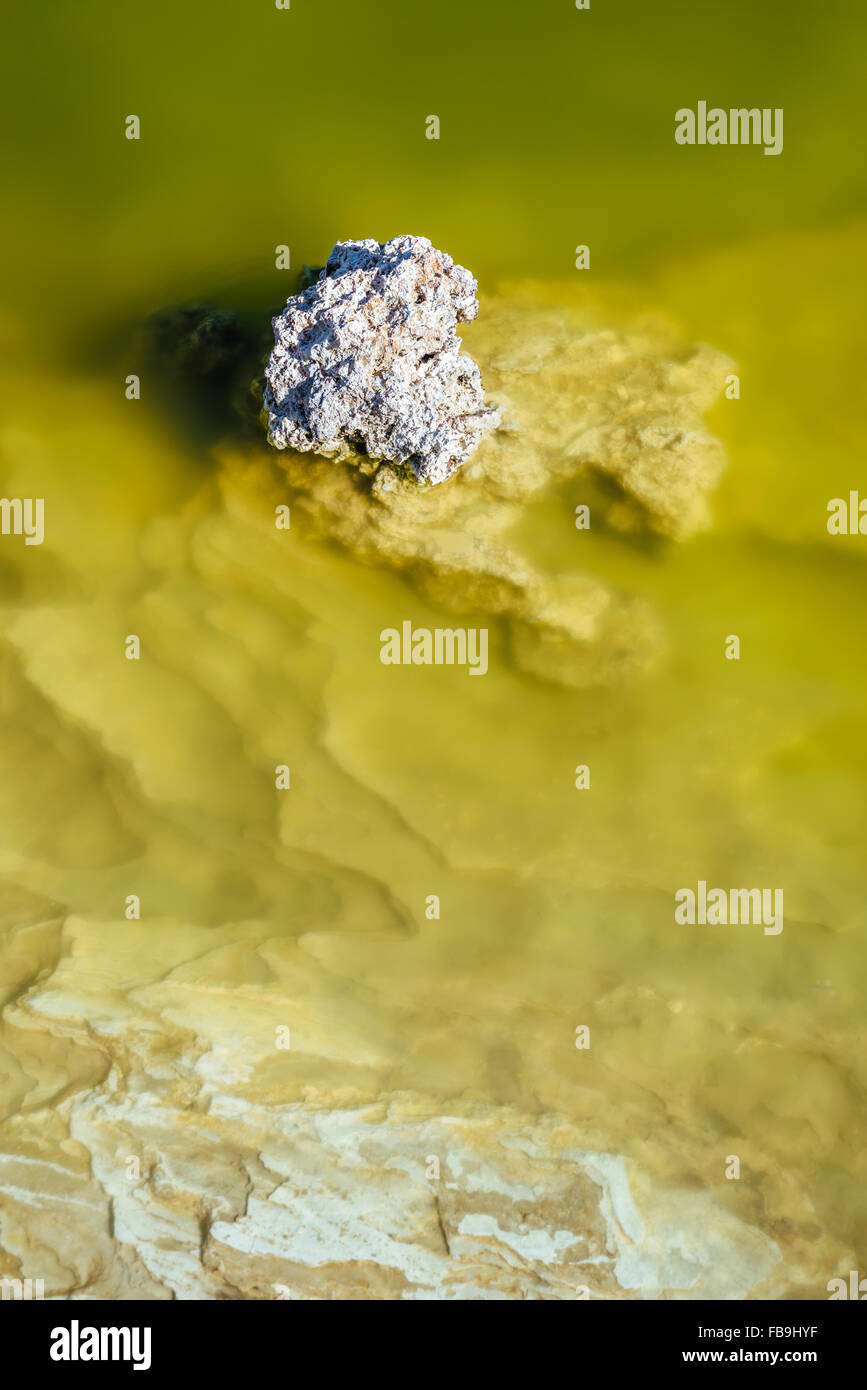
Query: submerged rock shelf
x=579 y=403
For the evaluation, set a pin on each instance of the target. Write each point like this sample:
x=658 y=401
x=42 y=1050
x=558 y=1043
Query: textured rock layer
x=158 y=1154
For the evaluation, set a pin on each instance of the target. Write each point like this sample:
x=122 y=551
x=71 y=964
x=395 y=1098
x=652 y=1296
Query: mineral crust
x=366 y=361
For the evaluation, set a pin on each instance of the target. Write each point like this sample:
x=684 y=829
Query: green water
x=261 y=128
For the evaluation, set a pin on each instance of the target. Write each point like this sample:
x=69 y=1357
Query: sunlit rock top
x=367 y=362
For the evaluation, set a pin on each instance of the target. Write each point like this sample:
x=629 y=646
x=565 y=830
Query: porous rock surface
x=366 y=361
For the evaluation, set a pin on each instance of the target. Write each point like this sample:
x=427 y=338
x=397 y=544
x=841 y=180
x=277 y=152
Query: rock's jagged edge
x=366 y=361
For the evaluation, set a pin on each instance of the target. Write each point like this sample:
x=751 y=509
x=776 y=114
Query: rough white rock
x=367 y=361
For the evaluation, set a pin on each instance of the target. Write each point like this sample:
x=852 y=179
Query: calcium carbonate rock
x=366 y=361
